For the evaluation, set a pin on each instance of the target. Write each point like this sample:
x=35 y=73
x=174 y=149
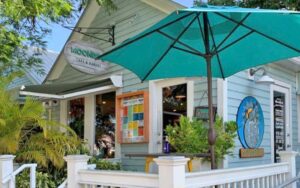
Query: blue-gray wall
x=239 y=86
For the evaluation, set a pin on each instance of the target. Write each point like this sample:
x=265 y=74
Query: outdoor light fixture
x=264 y=79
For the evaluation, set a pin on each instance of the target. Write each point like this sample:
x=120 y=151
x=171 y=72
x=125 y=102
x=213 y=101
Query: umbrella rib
x=200 y=26
x=170 y=47
x=231 y=32
x=232 y=43
x=142 y=36
x=188 y=51
x=214 y=44
x=182 y=43
x=258 y=32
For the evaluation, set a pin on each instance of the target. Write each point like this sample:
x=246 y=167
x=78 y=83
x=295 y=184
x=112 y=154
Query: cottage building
x=117 y=114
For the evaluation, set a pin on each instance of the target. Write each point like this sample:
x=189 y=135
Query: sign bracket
x=106 y=34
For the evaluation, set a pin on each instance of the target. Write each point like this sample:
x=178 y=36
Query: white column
x=33 y=176
x=63 y=116
x=290 y=157
x=6 y=169
x=89 y=120
x=74 y=164
x=171 y=171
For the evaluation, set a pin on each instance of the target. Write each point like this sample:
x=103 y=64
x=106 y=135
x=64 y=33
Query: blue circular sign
x=250 y=121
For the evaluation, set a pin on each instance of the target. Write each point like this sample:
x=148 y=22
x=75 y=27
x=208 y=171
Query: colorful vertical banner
x=132 y=121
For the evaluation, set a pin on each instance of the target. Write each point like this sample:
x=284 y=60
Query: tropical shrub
x=25 y=132
x=43 y=180
x=104 y=164
x=192 y=136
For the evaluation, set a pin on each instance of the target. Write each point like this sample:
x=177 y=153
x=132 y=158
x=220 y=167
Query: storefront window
x=105 y=125
x=174 y=104
x=279 y=123
x=76 y=116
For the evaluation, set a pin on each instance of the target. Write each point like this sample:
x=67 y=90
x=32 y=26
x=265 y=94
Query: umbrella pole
x=208 y=56
x=211 y=130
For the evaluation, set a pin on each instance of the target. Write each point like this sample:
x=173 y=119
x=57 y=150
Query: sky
x=57 y=39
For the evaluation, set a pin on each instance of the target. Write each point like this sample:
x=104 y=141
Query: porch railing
x=249 y=177
x=290 y=181
x=171 y=174
x=8 y=175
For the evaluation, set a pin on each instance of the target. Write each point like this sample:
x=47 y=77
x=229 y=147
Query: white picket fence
x=250 y=177
x=172 y=175
x=8 y=174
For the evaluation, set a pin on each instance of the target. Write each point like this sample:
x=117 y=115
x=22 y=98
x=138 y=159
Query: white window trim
x=155 y=106
x=89 y=122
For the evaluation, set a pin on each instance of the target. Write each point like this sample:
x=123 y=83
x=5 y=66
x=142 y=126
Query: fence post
x=6 y=169
x=289 y=157
x=171 y=171
x=74 y=164
x=33 y=176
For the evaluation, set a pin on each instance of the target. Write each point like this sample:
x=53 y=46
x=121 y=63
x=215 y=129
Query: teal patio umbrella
x=209 y=41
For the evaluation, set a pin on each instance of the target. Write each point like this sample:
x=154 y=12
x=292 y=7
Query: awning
x=68 y=90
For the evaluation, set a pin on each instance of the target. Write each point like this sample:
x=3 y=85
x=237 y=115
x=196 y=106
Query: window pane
x=76 y=116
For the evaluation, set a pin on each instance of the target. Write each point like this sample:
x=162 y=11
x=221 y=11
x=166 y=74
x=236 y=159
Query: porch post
x=6 y=169
x=74 y=164
x=290 y=157
x=171 y=171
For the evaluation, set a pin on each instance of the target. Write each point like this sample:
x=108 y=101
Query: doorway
x=169 y=99
x=280 y=119
x=174 y=105
x=105 y=124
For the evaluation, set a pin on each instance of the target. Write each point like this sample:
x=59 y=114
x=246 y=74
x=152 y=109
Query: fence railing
x=117 y=179
x=171 y=174
x=8 y=175
x=249 y=177
x=290 y=181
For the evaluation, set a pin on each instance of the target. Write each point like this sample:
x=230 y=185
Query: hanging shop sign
x=132 y=117
x=250 y=121
x=82 y=56
x=202 y=113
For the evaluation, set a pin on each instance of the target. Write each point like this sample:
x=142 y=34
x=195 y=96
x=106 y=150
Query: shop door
x=105 y=125
x=281 y=119
x=174 y=105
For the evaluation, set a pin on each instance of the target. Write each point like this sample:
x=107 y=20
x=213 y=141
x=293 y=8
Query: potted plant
x=191 y=136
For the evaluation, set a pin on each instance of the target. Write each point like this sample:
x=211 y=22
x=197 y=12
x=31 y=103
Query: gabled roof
x=48 y=57
x=90 y=12
x=31 y=76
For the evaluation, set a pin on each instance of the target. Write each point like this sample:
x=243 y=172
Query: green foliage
x=188 y=136
x=43 y=180
x=192 y=136
x=81 y=149
x=104 y=164
x=107 y=165
x=267 y=4
x=25 y=133
x=27 y=23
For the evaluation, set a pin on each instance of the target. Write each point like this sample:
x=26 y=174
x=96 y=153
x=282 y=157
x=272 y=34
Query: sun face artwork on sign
x=250 y=121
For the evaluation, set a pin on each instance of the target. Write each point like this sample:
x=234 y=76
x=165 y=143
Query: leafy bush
x=25 y=132
x=107 y=165
x=104 y=164
x=192 y=136
x=43 y=180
